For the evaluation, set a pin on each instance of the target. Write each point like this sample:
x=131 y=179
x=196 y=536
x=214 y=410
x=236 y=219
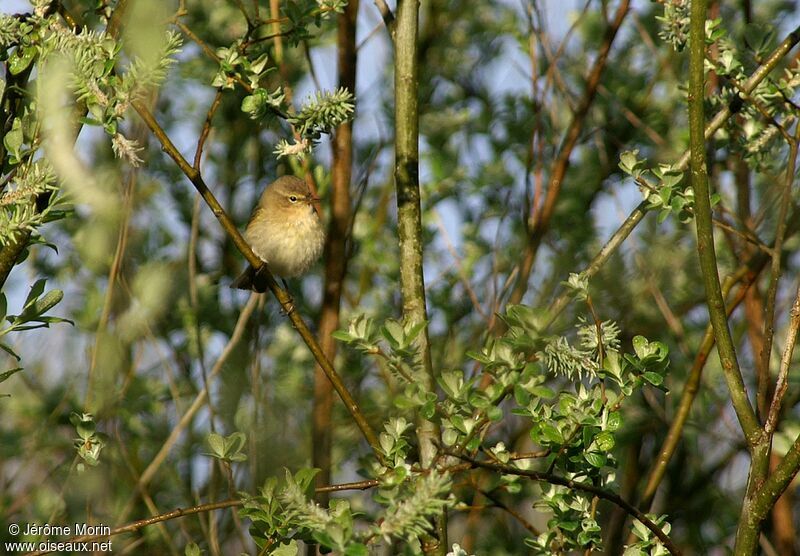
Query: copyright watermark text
x=48 y=536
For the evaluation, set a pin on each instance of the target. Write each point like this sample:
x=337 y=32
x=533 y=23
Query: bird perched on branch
x=284 y=231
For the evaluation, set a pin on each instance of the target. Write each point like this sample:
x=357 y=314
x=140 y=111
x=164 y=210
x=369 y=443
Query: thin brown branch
x=459 y=267
x=198 y=153
x=142 y=523
x=386 y=15
x=209 y=52
x=775 y=269
x=360 y=485
x=113 y=273
x=181 y=512
x=782 y=382
x=510 y=511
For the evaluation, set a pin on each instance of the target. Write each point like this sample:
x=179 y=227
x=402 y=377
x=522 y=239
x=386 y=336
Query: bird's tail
x=245 y=279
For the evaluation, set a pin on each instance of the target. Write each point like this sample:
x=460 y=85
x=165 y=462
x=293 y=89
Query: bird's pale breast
x=290 y=246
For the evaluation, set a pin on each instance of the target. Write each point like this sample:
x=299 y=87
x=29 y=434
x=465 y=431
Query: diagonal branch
x=387 y=16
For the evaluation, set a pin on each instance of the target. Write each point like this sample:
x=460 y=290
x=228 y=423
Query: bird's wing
x=257 y=212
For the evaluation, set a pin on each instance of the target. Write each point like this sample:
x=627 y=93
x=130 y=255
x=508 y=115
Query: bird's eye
x=293 y=198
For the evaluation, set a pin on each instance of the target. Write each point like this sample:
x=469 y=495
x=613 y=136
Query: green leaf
x=521 y=396
x=479 y=357
x=653 y=378
x=255 y=105
x=342 y=336
x=36 y=290
x=290 y=549
x=235 y=442
x=604 y=441
x=50 y=300
x=494 y=414
x=543 y=392
x=473 y=444
x=641 y=346
x=569 y=525
x=413 y=331
x=257 y=65
x=449 y=436
x=7 y=374
x=305 y=476
x=9 y=351
x=628 y=161
x=614 y=421
x=393 y=332
x=217 y=444
x=595 y=459
x=552 y=433
x=21 y=59
x=356 y=549
x=14 y=138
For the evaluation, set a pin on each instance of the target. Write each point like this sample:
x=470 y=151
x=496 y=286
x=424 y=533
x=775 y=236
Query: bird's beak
x=313 y=200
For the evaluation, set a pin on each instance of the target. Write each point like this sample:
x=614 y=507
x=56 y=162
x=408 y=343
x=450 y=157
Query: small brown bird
x=284 y=230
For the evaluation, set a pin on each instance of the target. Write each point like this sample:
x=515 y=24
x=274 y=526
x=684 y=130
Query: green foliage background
x=143 y=267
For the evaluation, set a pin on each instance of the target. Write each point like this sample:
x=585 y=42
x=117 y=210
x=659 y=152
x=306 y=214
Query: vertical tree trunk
x=409 y=223
x=335 y=252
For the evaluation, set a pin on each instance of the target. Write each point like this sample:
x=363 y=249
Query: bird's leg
x=290 y=302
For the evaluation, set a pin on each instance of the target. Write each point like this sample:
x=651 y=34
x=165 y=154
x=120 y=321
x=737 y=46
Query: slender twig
x=775 y=267
x=360 y=485
x=198 y=153
x=511 y=511
x=142 y=523
x=192 y=255
x=194 y=300
x=459 y=267
x=263 y=274
x=786 y=360
x=143 y=492
x=209 y=52
x=386 y=15
x=575 y=485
